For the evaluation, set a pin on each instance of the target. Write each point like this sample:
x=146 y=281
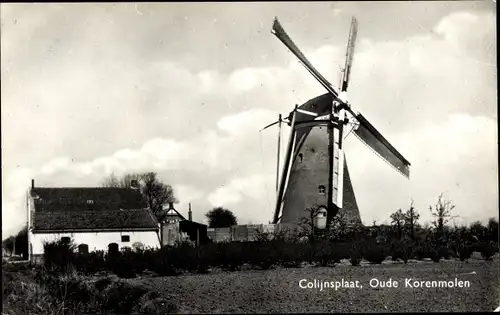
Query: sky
x=182 y=89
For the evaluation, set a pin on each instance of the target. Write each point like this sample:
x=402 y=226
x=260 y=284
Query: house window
x=321 y=189
x=65 y=240
x=90 y=202
x=125 y=238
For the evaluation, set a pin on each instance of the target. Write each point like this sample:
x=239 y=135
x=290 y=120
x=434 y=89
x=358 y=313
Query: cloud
x=106 y=108
x=254 y=190
x=245 y=122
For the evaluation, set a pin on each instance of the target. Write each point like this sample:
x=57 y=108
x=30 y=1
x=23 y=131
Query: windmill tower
x=315 y=170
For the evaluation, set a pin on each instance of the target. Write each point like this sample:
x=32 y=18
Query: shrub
x=69 y=292
x=262 y=236
x=324 y=253
x=401 y=250
x=445 y=252
x=230 y=255
x=262 y=254
x=25 y=296
x=121 y=297
x=421 y=251
x=464 y=251
x=163 y=262
x=118 y=263
x=58 y=255
x=152 y=303
x=290 y=254
x=354 y=250
x=89 y=263
x=201 y=258
x=487 y=250
x=375 y=253
x=435 y=254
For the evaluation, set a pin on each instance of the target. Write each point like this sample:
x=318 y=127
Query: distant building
x=176 y=228
x=93 y=217
x=171 y=215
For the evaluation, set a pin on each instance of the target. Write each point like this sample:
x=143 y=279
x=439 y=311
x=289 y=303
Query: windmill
x=314 y=171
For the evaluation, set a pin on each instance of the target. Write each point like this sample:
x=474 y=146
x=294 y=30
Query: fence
x=243 y=233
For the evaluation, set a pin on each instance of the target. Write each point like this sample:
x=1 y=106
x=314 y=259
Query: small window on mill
x=321 y=189
x=301 y=157
x=125 y=238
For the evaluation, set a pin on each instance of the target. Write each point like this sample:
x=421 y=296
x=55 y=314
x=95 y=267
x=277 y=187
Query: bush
x=58 y=255
x=230 y=255
x=202 y=258
x=164 y=262
x=152 y=303
x=402 y=250
x=435 y=254
x=119 y=263
x=33 y=291
x=354 y=251
x=325 y=253
x=464 y=251
x=262 y=255
x=421 y=252
x=445 y=252
x=90 y=263
x=291 y=255
x=487 y=250
x=375 y=253
x=121 y=297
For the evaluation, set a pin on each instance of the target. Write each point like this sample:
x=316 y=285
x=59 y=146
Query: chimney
x=170 y=205
x=32 y=184
x=190 y=213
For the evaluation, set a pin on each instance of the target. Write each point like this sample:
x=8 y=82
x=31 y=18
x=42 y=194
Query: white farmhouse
x=94 y=217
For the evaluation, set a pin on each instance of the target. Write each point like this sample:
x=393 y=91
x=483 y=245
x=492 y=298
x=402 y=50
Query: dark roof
x=92 y=198
x=168 y=213
x=322 y=105
x=119 y=220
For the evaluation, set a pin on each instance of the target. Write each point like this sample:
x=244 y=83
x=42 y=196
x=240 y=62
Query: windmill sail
x=372 y=138
x=349 y=54
x=280 y=33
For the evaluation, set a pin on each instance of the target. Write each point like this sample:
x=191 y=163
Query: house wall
x=172 y=234
x=96 y=240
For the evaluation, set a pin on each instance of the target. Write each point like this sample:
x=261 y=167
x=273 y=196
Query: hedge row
x=261 y=255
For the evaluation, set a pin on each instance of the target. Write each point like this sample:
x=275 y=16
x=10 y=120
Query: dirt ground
x=278 y=290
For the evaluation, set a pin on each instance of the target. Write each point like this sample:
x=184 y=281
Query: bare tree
x=111 y=181
x=154 y=191
x=411 y=219
x=122 y=182
x=442 y=214
x=308 y=222
x=398 y=221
